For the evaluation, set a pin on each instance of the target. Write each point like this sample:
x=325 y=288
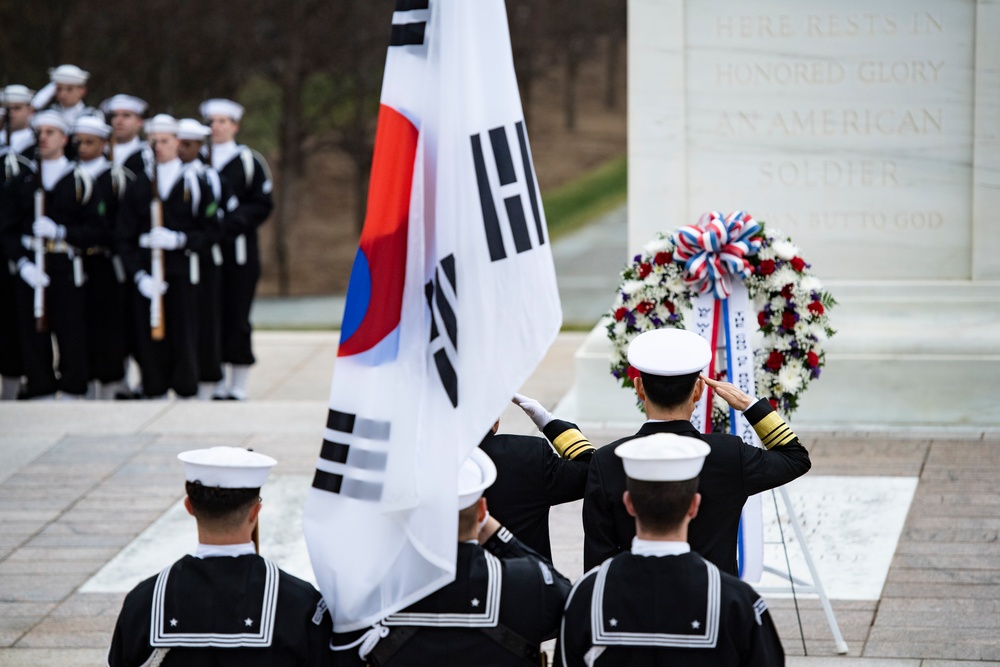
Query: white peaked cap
x=221 y=107
x=669 y=352
x=189 y=128
x=69 y=74
x=16 y=93
x=663 y=457
x=162 y=123
x=226 y=467
x=475 y=475
x=50 y=119
x=93 y=126
x=124 y=103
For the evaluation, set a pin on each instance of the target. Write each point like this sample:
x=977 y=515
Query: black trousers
x=11 y=359
x=105 y=320
x=210 y=320
x=239 y=285
x=171 y=363
x=65 y=310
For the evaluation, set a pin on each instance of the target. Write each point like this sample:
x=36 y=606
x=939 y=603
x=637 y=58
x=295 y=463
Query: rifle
x=41 y=320
x=157 y=328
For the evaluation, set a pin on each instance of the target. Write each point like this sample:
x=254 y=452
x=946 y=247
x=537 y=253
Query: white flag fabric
x=452 y=303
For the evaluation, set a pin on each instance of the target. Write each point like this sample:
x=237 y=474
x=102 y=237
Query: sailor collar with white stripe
x=219 y=550
x=222 y=154
x=96 y=167
x=601 y=635
x=21 y=139
x=124 y=151
x=487 y=618
x=169 y=631
x=642 y=547
x=54 y=171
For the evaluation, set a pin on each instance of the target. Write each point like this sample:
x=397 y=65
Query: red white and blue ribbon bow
x=715 y=250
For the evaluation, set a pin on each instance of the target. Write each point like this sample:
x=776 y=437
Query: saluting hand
x=730 y=393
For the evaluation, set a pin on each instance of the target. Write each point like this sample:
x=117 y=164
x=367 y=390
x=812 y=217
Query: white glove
x=46 y=228
x=538 y=414
x=148 y=286
x=165 y=239
x=31 y=274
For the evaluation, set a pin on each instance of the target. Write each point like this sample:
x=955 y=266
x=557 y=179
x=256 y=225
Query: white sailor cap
x=16 y=94
x=161 y=123
x=475 y=475
x=663 y=457
x=70 y=74
x=189 y=128
x=669 y=352
x=92 y=125
x=50 y=118
x=124 y=103
x=226 y=467
x=221 y=107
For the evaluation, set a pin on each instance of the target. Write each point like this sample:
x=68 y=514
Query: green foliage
x=579 y=202
x=262 y=123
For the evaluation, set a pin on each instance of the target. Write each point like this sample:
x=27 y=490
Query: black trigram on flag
x=514 y=177
x=353 y=444
x=409 y=31
x=441 y=297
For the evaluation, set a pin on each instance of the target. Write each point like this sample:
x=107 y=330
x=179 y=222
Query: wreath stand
x=796 y=585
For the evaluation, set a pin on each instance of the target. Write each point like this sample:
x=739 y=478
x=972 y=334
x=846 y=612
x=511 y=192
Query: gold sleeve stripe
x=773 y=431
x=571 y=443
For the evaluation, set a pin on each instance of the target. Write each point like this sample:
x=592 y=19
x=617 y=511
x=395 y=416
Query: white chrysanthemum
x=778 y=304
x=657 y=245
x=783 y=276
x=790 y=377
x=818 y=332
x=632 y=286
x=810 y=284
x=784 y=249
x=779 y=343
x=766 y=253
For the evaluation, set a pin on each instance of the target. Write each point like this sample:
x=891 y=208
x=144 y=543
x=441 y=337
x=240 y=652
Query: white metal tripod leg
x=817 y=583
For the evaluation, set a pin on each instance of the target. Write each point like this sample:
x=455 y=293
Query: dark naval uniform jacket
x=733 y=472
x=222 y=611
x=506 y=599
x=532 y=477
x=666 y=610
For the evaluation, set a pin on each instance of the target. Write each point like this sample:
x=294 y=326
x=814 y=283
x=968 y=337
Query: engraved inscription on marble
x=837 y=123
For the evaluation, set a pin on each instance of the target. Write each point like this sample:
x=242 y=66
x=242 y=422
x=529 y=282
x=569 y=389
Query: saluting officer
x=246 y=173
x=17 y=139
x=190 y=225
x=533 y=475
x=105 y=286
x=67 y=224
x=506 y=598
x=125 y=114
x=660 y=603
x=669 y=385
x=224 y=605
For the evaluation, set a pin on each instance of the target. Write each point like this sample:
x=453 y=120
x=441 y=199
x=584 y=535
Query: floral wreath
x=790 y=302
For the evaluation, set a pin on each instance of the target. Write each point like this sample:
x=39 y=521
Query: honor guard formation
x=117 y=246
x=661 y=510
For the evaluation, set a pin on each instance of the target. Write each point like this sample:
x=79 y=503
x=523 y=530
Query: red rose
x=644 y=307
x=644 y=269
x=632 y=373
x=786 y=291
x=816 y=308
x=812 y=359
x=669 y=305
x=773 y=402
x=798 y=263
x=761 y=319
x=621 y=313
x=775 y=360
x=766 y=267
x=663 y=258
x=788 y=319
